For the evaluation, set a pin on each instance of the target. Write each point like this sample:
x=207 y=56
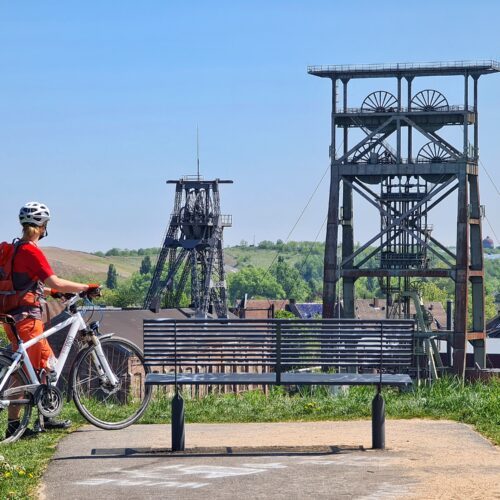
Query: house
x=259 y=308
x=370 y=309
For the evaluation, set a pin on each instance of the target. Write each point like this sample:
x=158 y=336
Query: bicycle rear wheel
x=14 y=392
x=100 y=403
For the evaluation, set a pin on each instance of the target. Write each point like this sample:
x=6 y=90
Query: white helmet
x=34 y=213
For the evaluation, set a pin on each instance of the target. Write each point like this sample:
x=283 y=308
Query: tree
x=112 y=278
x=255 y=282
x=291 y=281
x=283 y=314
x=132 y=291
x=145 y=265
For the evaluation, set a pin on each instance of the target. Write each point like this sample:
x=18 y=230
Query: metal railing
x=226 y=220
x=443 y=109
x=487 y=63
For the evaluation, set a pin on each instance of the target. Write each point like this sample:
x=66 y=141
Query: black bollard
x=378 y=422
x=177 y=423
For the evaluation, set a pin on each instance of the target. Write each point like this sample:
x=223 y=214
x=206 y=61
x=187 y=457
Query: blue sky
x=100 y=100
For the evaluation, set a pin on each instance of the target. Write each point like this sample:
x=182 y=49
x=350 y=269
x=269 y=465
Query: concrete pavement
x=424 y=459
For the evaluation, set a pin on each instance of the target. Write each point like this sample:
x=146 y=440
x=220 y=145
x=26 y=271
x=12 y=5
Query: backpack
x=12 y=300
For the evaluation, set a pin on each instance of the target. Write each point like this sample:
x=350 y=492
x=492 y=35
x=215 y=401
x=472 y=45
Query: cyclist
x=33 y=276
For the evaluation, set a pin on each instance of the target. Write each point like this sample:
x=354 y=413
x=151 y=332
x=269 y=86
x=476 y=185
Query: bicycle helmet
x=34 y=213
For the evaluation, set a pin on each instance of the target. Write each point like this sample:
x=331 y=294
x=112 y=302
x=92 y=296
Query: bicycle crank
x=49 y=400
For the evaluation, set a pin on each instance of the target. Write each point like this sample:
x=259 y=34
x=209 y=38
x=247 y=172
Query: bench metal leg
x=177 y=423
x=378 y=422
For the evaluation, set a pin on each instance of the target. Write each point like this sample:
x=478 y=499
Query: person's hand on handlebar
x=93 y=290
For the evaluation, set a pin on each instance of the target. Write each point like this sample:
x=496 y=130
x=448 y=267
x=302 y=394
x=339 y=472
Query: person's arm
x=65 y=286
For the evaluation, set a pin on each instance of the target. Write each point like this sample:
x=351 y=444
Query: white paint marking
x=386 y=491
x=215 y=471
x=347 y=460
x=95 y=482
x=275 y=465
x=127 y=482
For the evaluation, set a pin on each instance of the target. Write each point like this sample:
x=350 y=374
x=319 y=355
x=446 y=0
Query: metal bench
x=278 y=352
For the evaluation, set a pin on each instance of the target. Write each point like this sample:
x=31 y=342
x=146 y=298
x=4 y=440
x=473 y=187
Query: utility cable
x=498 y=192
x=311 y=247
x=304 y=209
x=300 y=217
x=328 y=168
x=492 y=230
x=491 y=178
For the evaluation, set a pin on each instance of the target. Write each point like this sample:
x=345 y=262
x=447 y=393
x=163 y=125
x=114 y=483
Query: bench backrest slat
x=283 y=344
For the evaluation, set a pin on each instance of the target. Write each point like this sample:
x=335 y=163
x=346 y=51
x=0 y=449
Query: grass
x=245 y=256
x=24 y=461
x=476 y=403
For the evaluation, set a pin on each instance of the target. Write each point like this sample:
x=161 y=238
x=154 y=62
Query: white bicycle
x=106 y=378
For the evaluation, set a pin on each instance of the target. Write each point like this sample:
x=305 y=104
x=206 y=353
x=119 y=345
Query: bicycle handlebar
x=73 y=298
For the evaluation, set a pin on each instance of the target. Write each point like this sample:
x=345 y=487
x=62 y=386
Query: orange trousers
x=27 y=329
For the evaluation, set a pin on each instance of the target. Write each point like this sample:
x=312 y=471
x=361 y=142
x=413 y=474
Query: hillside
x=73 y=264
x=76 y=264
x=238 y=257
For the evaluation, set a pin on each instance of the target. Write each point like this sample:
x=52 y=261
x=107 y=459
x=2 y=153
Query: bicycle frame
x=76 y=324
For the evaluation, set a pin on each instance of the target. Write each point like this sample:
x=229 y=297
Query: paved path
x=424 y=459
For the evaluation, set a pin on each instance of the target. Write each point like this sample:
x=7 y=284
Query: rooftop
x=406 y=69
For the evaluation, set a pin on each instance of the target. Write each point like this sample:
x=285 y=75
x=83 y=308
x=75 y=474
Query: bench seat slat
x=270 y=379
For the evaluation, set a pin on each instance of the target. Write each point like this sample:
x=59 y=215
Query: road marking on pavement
x=272 y=465
x=348 y=460
x=173 y=475
x=127 y=482
x=386 y=491
x=170 y=476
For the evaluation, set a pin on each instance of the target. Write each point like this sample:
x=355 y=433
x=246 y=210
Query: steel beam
x=462 y=266
x=398 y=220
x=330 y=265
x=384 y=273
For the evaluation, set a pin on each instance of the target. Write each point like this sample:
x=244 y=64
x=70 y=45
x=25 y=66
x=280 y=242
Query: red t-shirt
x=30 y=265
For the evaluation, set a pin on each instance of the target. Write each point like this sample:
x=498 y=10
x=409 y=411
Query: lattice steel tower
x=404 y=190
x=192 y=250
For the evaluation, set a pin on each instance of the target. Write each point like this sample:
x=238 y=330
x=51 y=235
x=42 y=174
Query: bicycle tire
x=17 y=378
x=101 y=405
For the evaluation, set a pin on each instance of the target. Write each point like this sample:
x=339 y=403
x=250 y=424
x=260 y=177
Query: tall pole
x=410 y=130
x=347 y=228
x=330 y=267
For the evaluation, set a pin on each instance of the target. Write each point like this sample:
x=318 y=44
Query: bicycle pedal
x=38 y=427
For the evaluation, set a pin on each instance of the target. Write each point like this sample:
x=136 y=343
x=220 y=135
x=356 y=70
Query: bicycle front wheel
x=17 y=403
x=103 y=405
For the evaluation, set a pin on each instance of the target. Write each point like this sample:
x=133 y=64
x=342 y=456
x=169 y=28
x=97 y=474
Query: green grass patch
x=475 y=403
x=250 y=256
x=25 y=461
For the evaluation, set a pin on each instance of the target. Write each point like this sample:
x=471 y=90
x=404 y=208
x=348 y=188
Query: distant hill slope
x=72 y=263
x=239 y=257
x=75 y=264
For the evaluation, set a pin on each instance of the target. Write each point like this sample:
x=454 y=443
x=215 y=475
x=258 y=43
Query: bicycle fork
x=101 y=363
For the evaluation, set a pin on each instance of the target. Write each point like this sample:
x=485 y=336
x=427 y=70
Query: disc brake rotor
x=108 y=388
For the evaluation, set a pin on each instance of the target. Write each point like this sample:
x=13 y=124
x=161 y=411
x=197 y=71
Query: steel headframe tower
x=408 y=189
x=192 y=250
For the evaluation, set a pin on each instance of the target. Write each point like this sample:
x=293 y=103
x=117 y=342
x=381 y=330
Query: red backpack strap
x=7 y=251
